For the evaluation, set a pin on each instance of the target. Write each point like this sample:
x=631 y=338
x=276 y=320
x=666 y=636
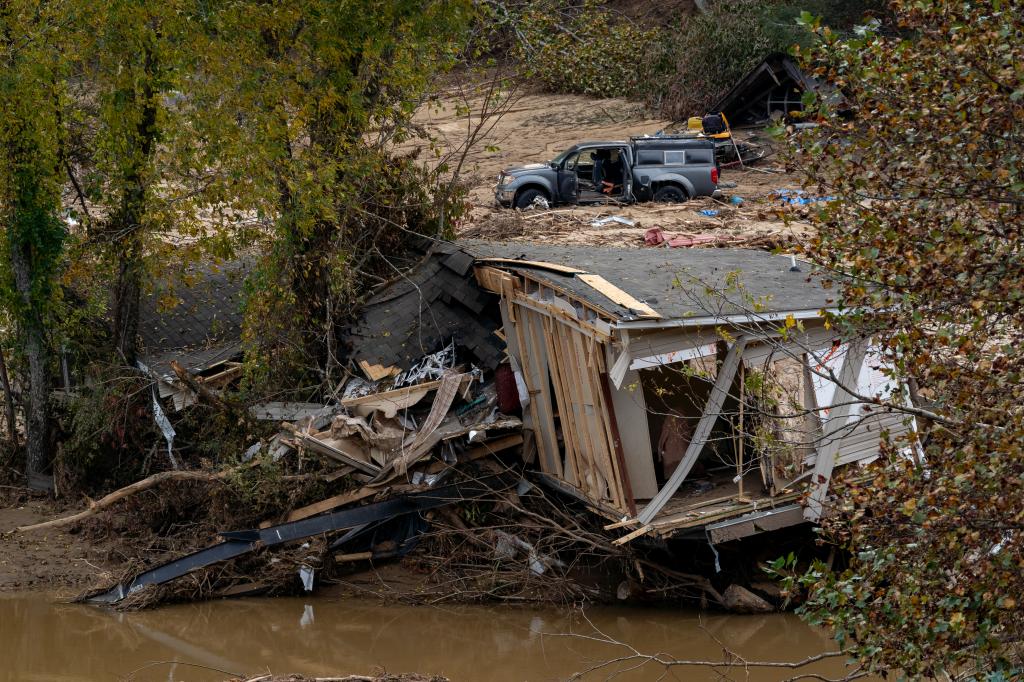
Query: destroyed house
x=682 y=391
x=774 y=87
x=674 y=391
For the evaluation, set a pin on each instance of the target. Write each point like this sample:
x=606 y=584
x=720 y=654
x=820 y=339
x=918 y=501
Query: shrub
x=108 y=430
x=712 y=52
x=698 y=63
x=583 y=49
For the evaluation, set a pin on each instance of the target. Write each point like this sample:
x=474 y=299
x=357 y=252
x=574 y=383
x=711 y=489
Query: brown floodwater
x=44 y=640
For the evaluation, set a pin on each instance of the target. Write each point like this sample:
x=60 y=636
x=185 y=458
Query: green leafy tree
x=323 y=91
x=135 y=55
x=32 y=105
x=579 y=48
x=925 y=160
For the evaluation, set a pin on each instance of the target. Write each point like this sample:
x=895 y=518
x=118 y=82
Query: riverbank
x=59 y=561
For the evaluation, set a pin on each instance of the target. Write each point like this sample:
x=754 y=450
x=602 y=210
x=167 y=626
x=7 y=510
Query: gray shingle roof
x=421 y=313
x=677 y=283
x=204 y=325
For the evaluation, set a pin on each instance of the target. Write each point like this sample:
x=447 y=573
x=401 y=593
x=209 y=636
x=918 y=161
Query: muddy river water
x=44 y=640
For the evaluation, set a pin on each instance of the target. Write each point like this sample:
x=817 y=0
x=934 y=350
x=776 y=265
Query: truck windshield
x=557 y=161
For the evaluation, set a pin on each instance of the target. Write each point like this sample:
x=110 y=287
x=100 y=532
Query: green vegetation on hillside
x=680 y=64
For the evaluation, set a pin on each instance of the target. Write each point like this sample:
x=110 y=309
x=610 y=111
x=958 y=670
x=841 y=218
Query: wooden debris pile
x=381 y=435
x=386 y=452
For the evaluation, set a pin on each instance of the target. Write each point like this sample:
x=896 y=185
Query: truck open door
x=568 y=182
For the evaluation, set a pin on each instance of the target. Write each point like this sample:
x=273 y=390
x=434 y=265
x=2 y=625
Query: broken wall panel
x=631 y=413
x=569 y=361
x=532 y=358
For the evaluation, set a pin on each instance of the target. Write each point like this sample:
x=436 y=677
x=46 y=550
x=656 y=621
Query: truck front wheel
x=526 y=198
x=670 y=194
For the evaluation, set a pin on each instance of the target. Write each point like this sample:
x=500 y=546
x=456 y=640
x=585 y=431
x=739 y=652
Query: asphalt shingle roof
x=199 y=325
x=421 y=313
x=677 y=283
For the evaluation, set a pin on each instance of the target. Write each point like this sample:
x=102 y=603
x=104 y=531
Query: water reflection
x=45 y=641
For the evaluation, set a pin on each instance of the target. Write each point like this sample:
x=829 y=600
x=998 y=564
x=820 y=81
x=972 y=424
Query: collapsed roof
x=777 y=84
x=422 y=312
x=198 y=325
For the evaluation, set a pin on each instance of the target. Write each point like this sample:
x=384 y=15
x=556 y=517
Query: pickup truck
x=666 y=168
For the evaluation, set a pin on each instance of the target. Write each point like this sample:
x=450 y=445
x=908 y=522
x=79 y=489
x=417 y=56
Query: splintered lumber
x=317 y=445
x=620 y=524
x=378 y=372
x=390 y=402
x=618 y=296
x=426 y=437
x=332 y=503
x=643 y=530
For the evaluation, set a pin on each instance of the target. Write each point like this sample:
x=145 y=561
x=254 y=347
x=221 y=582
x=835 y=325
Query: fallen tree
x=96 y=506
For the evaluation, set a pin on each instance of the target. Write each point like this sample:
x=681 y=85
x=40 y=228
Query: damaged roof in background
x=196 y=322
x=774 y=87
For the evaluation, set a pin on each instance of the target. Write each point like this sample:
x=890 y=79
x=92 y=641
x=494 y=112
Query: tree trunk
x=311 y=286
x=128 y=222
x=12 y=425
x=127 y=294
x=37 y=408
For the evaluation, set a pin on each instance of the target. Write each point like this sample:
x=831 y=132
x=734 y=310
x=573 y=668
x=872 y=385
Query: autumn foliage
x=921 y=145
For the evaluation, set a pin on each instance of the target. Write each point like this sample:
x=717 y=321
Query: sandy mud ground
x=536 y=127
